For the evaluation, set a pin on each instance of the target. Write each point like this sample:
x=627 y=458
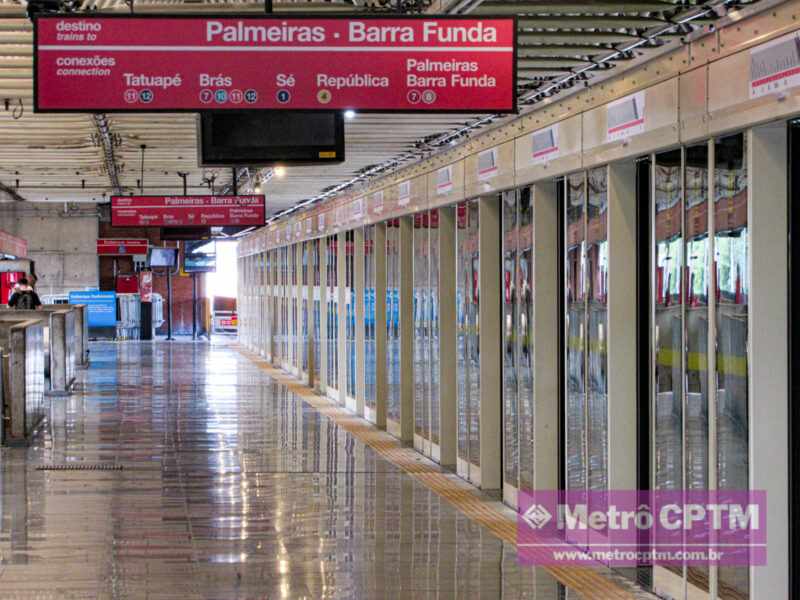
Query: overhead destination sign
x=116 y=247
x=87 y=63
x=187 y=211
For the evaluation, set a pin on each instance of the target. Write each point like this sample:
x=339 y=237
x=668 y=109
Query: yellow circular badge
x=324 y=96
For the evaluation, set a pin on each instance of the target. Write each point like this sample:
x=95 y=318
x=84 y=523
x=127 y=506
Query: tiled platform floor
x=232 y=487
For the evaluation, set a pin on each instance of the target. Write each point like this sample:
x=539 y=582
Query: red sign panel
x=13 y=245
x=186 y=211
x=114 y=247
x=151 y=63
x=146 y=285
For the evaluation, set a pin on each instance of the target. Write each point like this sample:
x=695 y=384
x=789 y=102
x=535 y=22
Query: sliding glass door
x=393 y=322
x=517 y=343
x=332 y=304
x=426 y=333
x=700 y=279
x=468 y=340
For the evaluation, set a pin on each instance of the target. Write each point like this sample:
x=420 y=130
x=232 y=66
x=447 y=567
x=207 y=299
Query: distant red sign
x=115 y=247
x=146 y=285
x=13 y=245
x=187 y=211
x=191 y=63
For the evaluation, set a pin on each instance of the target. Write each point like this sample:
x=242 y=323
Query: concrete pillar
x=406 y=250
x=358 y=290
x=379 y=248
x=769 y=367
x=323 y=316
x=448 y=352
x=621 y=335
x=489 y=323
x=341 y=342
x=545 y=337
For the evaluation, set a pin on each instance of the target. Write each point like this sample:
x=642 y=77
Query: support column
x=448 y=352
x=323 y=315
x=545 y=337
x=489 y=323
x=341 y=339
x=769 y=368
x=621 y=335
x=406 y=251
x=358 y=290
x=379 y=248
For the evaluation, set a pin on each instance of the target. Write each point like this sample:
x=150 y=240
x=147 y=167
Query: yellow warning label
x=327 y=154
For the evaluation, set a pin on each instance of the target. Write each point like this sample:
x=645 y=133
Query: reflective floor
x=231 y=487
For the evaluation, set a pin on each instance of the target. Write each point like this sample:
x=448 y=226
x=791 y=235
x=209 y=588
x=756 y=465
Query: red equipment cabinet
x=7 y=281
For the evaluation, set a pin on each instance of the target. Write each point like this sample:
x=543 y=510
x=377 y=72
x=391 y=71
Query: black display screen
x=200 y=257
x=268 y=138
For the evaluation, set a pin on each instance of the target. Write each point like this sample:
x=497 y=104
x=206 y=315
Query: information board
x=193 y=63
x=187 y=211
x=101 y=307
x=118 y=247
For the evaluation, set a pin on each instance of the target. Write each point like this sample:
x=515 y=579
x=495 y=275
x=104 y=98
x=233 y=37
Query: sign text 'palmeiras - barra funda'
x=187 y=211
x=198 y=63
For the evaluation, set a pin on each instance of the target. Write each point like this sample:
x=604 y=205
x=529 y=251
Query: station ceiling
x=76 y=158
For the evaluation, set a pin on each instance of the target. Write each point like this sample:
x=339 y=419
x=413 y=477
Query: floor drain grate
x=81 y=467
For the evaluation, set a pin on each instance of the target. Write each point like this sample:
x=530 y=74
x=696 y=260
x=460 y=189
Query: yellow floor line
x=587 y=582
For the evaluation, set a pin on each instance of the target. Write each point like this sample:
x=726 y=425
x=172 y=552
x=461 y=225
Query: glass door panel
x=463 y=294
x=731 y=259
x=420 y=281
x=284 y=266
x=468 y=377
x=317 y=299
x=304 y=310
x=474 y=335
x=510 y=345
x=393 y=320
x=668 y=319
x=293 y=340
x=525 y=341
x=574 y=323
x=333 y=315
x=433 y=329
x=597 y=328
x=350 y=313
x=369 y=319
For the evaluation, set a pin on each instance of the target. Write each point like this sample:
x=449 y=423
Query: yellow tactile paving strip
x=588 y=583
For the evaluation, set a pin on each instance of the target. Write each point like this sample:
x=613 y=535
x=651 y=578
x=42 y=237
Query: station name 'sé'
x=357 y=32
